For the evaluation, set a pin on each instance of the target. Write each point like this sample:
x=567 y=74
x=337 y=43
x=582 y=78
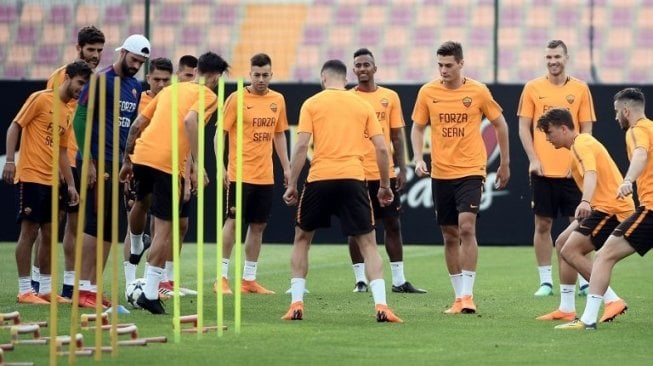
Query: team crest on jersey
x=570 y=99
x=273 y=107
x=134 y=93
x=467 y=101
x=27 y=211
x=384 y=103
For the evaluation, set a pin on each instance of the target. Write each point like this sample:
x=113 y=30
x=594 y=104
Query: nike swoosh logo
x=435 y=101
x=473 y=206
x=250 y=106
x=542 y=97
x=584 y=227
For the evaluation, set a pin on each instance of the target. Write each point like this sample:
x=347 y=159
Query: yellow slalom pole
x=115 y=184
x=83 y=195
x=99 y=253
x=239 y=206
x=54 y=219
x=175 y=205
x=219 y=211
x=200 y=208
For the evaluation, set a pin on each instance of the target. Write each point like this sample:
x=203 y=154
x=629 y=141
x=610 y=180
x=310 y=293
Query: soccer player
x=158 y=77
x=264 y=126
x=90 y=44
x=387 y=106
x=187 y=68
x=633 y=234
x=553 y=191
x=33 y=174
x=149 y=160
x=598 y=213
x=340 y=124
x=133 y=53
x=454 y=105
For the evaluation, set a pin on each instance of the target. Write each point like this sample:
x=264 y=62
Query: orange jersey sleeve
x=538 y=96
x=146 y=98
x=387 y=106
x=338 y=121
x=58 y=75
x=641 y=136
x=589 y=154
x=36 y=142
x=263 y=116
x=455 y=116
x=154 y=147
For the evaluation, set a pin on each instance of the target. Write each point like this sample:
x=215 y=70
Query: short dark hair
x=260 y=59
x=78 y=68
x=555 y=117
x=188 y=60
x=634 y=95
x=161 y=63
x=451 y=48
x=89 y=35
x=335 y=66
x=211 y=62
x=557 y=43
x=363 y=51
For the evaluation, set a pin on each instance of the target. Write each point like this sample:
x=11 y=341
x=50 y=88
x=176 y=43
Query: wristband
x=10 y=162
x=384 y=187
x=588 y=202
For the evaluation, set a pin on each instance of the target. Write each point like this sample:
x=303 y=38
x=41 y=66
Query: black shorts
x=34 y=202
x=453 y=196
x=257 y=200
x=598 y=226
x=348 y=199
x=550 y=196
x=184 y=210
x=63 y=194
x=150 y=181
x=638 y=230
x=91 y=215
x=392 y=210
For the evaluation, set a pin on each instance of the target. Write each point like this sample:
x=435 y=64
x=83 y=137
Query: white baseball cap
x=136 y=44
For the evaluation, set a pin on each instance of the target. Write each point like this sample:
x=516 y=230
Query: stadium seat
x=346 y=16
x=15 y=71
x=56 y=35
x=424 y=36
x=86 y=14
x=199 y=14
x=115 y=14
x=401 y=16
x=8 y=13
x=61 y=14
x=192 y=35
x=375 y=16
x=225 y=14
x=27 y=34
x=370 y=37
x=313 y=35
x=170 y=14
x=47 y=55
x=31 y=13
x=5 y=34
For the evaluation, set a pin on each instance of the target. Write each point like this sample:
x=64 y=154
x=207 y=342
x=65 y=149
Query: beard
x=127 y=71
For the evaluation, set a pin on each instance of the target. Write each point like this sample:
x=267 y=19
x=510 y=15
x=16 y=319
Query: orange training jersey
x=641 y=136
x=338 y=121
x=36 y=118
x=59 y=75
x=588 y=154
x=154 y=147
x=538 y=96
x=263 y=116
x=457 y=147
x=387 y=106
x=146 y=98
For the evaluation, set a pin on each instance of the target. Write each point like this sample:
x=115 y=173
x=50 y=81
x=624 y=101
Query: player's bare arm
x=417 y=142
x=637 y=164
x=503 y=173
x=397 y=136
x=586 y=127
x=290 y=197
x=526 y=138
x=9 y=171
x=282 y=153
x=190 y=124
x=584 y=208
x=385 y=194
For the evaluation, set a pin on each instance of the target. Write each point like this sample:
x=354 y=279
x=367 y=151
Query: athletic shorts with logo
x=34 y=202
x=638 y=230
x=257 y=200
x=392 y=210
x=453 y=196
x=550 y=196
x=347 y=199
x=598 y=226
